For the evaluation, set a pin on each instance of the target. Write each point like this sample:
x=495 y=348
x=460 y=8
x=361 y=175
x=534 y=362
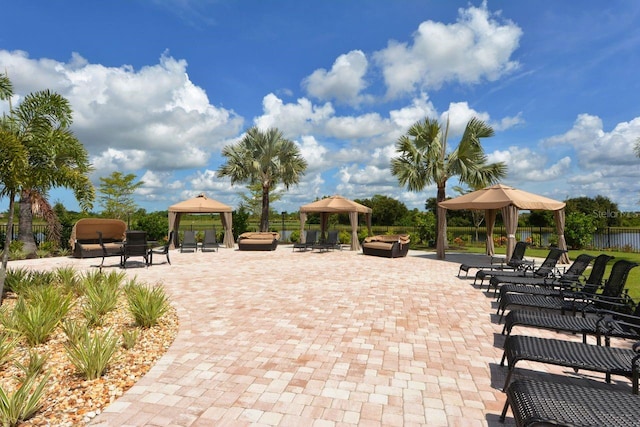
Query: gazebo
x=508 y=200
x=337 y=204
x=202 y=204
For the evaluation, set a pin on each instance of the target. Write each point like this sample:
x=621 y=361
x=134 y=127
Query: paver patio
x=321 y=339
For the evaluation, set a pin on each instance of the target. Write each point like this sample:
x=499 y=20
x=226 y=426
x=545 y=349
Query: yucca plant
x=74 y=330
x=102 y=297
x=23 y=403
x=17 y=280
x=7 y=344
x=35 y=365
x=129 y=338
x=69 y=279
x=91 y=353
x=37 y=317
x=146 y=304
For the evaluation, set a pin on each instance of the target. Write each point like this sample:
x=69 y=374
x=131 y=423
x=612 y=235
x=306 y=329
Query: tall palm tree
x=265 y=158
x=424 y=159
x=56 y=159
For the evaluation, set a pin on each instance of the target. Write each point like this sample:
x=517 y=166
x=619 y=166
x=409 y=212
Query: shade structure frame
x=199 y=205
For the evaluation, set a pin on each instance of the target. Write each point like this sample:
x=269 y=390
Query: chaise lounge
x=389 y=246
x=258 y=241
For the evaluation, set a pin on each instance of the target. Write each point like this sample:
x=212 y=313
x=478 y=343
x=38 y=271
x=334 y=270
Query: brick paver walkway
x=333 y=339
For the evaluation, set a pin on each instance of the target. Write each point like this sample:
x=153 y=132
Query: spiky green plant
x=35 y=365
x=23 y=403
x=69 y=279
x=146 y=304
x=74 y=330
x=37 y=317
x=16 y=279
x=129 y=338
x=102 y=297
x=7 y=344
x=92 y=353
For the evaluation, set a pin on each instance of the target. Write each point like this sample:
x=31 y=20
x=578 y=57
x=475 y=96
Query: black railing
x=39 y=233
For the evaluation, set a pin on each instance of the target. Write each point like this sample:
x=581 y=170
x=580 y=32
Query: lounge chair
x=161 y=250
x=546 y=269
x=189 y=241
x=536 y=403
x=611 y=297
x=573 y=354
x=135 y=245
x=330 y=243
x=209 y=242
x=606 y=323
x=516 y=262
x=310 y=239
x=556 y=286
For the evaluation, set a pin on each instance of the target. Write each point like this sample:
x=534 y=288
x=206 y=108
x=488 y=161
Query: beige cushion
x=378 y=245
x=402 y=238
x=256 y=235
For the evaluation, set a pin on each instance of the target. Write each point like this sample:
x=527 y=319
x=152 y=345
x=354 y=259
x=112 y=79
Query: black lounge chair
x=606 y=323
x=546 y=269
x=161 y=250
x=556 y=286
x=573 y=354
x=611 y=297
x=210 y=241
x=135 y=245
x=536 y=403
x=330 y=243
x=189 y=241
x=311 y=236
x=516 y=262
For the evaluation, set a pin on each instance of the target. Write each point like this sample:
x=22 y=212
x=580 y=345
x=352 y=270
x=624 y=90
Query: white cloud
x=154 y=118
x=524 y=165
x=477 y=47
x=343 y=82
x=301 y=118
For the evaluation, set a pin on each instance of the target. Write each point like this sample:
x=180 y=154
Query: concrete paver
x=320 y=339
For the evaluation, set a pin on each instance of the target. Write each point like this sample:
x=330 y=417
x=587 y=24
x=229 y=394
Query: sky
x=159 y=87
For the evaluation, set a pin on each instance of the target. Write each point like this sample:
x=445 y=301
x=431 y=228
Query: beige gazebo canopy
x=336 y=204
x=202 y=204
x=508 y=200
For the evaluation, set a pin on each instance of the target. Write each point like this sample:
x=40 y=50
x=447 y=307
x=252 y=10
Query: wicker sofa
x=258 y=241
x=389 y=246
x=85 y=243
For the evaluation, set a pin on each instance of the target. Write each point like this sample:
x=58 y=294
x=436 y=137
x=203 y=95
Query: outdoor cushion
x=388 y=245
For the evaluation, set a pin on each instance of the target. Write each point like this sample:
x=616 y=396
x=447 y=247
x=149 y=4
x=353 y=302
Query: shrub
x=69 y=279
x=17 y=279
x=102 y=296
x=91 y=353
x=344 y=237
x=294 y=237
x=146 y=304
x=23 y=403
x=74 y=330
x=16 y=250
x=579 y=229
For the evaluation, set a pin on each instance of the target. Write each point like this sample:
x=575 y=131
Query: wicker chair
x=546 y=269
x=557 y=286
x=605 y=324
x=573 y=354
x=535 y=402
x=611 y=297
x=516 y=262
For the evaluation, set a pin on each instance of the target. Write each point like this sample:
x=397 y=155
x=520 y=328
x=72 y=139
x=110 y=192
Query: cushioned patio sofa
x=258 y=241
x=390 y=246
x=85 y=243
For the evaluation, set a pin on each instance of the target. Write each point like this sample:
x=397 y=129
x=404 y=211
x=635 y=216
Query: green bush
x=579 y=229
x=294 y=237
x=344 y=237
x=23 y=403
x=16 y=250
x=91 y=353
x=146 y=304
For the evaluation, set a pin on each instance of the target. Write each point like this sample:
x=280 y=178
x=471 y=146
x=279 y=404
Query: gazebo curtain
x=510 y=218
x=562 y=243
x=490 y=221
x=226 y=218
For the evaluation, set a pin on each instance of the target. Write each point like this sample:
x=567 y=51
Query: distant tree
x=252 y=199
x=579 y=229
x=265 y=158
x=424 y=159
x=116 y=195
x=604 y=212
x=240 y=221
x=540 y=219
x=385 y=210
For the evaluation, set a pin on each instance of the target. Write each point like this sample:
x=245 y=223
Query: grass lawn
x=633 y=282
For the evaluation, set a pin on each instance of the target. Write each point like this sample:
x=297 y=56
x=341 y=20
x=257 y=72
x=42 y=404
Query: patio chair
x=571 y=277
x=516 y=262
x=135 y=245
x=189 y=241
x=161 y=250
x=546 y=269
x=311 y=236
x=611 y=297
x=606 y=323
x=330 y=243
x=555 y=287
x=573 y=354
x=535 y=402
x=209 y=241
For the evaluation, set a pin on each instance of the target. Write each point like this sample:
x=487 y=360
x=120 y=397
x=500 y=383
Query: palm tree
x=423 y=160
x=56 y=159
x=265 y=158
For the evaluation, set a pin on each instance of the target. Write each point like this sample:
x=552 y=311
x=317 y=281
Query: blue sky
x=159 y=87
